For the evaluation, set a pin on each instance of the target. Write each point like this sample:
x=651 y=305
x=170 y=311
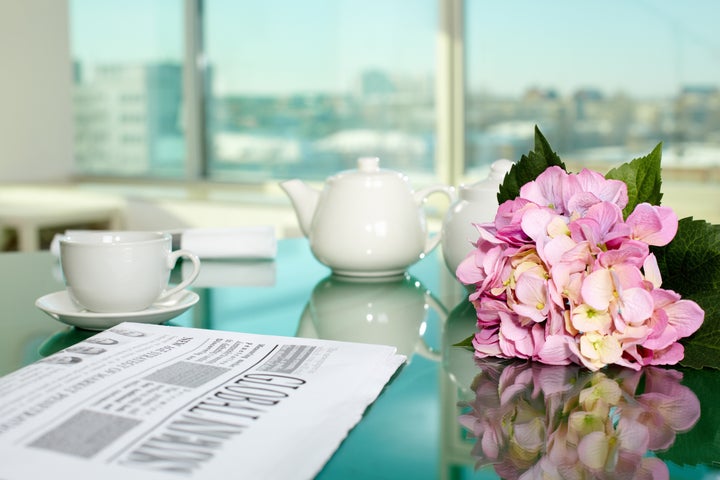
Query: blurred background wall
x=36 y=129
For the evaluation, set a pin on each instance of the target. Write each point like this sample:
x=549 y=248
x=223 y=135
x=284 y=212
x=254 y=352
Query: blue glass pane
x=128 y=81
x=302 y=89
x=605 y=81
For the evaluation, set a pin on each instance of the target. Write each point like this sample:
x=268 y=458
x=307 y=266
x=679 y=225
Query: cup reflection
x=63 y=339
x=538 y=421
x=69 y=339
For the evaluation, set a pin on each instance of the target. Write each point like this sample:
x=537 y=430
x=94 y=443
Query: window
x=605 y=81
x=128 y=67
x=437 y=88
x=306 y=92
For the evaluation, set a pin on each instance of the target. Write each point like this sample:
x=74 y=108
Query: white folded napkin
x=233 y=273
x=238 y=242
x=257 y=242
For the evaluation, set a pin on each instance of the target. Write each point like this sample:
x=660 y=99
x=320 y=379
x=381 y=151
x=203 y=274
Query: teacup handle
x=420 y=197
x=172 y=259
x=422 y=347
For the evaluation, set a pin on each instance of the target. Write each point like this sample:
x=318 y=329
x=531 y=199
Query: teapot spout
x=304 y=199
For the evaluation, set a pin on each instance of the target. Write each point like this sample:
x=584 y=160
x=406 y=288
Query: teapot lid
x=491 y=184
x=498 y=170
x=366 y=166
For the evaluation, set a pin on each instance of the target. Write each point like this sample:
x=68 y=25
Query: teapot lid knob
x=499 y=168
x=477 y=190
x=368 y=164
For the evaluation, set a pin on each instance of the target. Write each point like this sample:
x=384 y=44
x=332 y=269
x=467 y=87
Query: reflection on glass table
x=384 y=310
x=426 y=423
x=519 y=419
x=565 y=421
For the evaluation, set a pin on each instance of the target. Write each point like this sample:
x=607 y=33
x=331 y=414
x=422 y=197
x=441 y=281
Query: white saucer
x=61 y=307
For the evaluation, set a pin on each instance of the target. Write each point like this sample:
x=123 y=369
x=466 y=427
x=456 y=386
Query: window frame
x=449 y=88
x=194 y=68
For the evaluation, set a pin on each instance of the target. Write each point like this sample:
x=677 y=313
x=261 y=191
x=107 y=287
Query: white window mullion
x=450 y=86
x=193 y=88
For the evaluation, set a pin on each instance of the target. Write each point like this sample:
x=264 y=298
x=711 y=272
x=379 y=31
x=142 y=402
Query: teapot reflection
x=389 y=311
x=539 y=421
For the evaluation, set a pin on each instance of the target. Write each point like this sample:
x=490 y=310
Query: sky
x=640 y=47
x=644 y=47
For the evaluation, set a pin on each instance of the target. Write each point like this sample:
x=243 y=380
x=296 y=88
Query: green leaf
x=643 y=179
x=690 y=265
x=467 y=343
x=528 y=168
x=702 y=349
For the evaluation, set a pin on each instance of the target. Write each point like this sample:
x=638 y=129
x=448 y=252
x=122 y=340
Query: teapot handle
x=422 y=348
x=420 y=198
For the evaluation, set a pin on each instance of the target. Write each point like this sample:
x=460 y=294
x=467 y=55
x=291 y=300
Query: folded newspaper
x=159 y=402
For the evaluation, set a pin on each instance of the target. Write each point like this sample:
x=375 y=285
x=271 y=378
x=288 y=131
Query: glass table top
x=445 y=415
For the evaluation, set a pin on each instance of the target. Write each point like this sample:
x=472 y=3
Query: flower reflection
x=539 y=421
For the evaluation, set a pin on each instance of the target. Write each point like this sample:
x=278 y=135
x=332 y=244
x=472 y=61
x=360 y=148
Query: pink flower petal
x=598 y=289
x=557 y=249
x=530 y=288
x=636 y=305
x=652 y=271
x=680 y=412
x=630 y=253
x=547 y=189
x=668 y=356
x=652 y=468
x=652 y=224
x=581 y=202
x=555 y=350
x=529 y=435
x=633 y=436
x=491 y=442
x=614 y=191
x=593 y=450
x=515 y=339
x=486 y=343
x=686 y=316
x=606 y=215
x=468 y=272
x=535 y=223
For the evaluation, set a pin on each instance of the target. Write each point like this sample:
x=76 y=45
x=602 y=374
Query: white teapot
x=477 y=203
x=366 y=222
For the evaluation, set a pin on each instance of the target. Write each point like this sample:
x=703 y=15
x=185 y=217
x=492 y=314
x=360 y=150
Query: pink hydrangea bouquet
x=589 y=269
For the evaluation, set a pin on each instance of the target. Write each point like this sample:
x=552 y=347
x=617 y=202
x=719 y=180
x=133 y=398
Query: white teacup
x=122 y=271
